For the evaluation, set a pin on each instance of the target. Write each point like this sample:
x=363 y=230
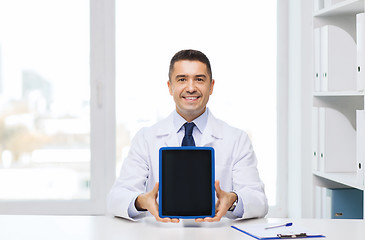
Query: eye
x=181 y=79
x=200 y=79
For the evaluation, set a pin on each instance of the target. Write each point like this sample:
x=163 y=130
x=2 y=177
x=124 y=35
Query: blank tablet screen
x=187 y=182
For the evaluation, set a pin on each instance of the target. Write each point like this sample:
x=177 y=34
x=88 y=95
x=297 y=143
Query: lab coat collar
x=212 y=131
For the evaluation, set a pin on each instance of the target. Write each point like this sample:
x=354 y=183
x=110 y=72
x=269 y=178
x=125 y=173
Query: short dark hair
x=192 y=55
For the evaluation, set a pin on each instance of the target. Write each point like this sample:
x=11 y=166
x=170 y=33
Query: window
x=238 y=37
x=51 y=111
x=61 y=105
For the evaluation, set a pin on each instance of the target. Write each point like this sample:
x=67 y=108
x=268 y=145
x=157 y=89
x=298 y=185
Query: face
x=190 y=86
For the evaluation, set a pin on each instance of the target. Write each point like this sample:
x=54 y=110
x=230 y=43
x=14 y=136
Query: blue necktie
x=188 y=139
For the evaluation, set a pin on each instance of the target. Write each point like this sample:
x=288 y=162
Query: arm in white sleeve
x=131 y=182
x=252 y=201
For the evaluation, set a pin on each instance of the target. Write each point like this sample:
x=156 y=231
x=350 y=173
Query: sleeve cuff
x=132 y=210
x=238 y=211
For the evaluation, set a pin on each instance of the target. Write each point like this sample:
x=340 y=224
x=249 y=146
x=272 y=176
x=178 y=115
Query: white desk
x=19 y=227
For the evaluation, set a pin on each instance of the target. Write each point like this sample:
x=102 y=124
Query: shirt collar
x=200 y=122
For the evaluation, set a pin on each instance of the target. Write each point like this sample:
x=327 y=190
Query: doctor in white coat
x=239 y=190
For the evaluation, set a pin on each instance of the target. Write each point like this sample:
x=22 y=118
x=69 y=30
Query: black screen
x=186 y=183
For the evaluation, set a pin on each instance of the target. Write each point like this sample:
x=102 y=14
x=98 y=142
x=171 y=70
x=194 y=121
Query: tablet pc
x=186 y=184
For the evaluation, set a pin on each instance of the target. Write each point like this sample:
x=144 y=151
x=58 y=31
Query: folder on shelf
x=315 y=152
x=360 y=143
x=318 y=5
x=337 y=142
x=317 y=60
x=345 y=203
x=338 y=59
x=275 y=231
x=360 y=40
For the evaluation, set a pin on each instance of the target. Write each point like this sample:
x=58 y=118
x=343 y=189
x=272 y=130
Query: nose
x=190 y=86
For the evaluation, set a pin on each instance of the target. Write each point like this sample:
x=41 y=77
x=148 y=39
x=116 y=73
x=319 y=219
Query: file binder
x=338 y=60
x=360 y=143
x=317 y=60
x=315 y=152
x=346 y=203
x=360 y=40
x=334 y=149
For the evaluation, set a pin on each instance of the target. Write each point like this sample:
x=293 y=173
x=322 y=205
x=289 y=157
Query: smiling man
x=240 y=192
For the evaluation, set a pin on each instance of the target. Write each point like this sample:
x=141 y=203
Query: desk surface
x=16 y=227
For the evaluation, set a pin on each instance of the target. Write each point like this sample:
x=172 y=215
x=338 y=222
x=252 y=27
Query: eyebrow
x=199 y=75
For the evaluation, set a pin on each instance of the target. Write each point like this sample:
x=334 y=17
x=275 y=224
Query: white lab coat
x=235 y=165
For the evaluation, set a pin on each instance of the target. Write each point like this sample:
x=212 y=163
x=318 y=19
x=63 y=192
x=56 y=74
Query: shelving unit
x=340 y=94
x=337 y=101
x=342 y=8
x=340 y=179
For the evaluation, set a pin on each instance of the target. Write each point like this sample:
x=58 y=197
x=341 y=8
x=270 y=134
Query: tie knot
x=189 y=128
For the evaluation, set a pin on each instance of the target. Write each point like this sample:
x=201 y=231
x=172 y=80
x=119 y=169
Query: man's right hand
x=147 y=201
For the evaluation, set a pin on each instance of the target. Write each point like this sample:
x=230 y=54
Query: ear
x=211 y=87
x=169 y=86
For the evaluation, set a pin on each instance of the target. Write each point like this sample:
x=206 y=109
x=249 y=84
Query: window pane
x=238 y=36
x=44 y=100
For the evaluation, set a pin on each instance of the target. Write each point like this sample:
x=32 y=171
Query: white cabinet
x=338 y=118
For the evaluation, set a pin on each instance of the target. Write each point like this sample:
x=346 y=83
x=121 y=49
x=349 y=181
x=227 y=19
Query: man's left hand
x=224 y=202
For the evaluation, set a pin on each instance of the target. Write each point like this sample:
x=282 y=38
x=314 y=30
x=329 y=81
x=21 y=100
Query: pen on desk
x=282 y=225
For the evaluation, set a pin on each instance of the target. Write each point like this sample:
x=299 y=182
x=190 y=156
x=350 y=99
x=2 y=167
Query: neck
x=189 y=117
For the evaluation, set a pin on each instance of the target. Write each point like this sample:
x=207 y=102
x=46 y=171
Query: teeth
x=191 y=98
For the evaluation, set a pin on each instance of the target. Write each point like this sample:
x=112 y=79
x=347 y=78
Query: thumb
x=155 y=188
x=217 y=187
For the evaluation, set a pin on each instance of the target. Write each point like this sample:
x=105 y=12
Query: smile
x=191 y=98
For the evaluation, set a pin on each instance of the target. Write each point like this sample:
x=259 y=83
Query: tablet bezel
x=212 y=181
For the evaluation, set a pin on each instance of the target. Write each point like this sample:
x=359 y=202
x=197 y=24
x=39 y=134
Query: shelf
x=348 y=179
x=342 y=8
x=339 y=94
x=345 y=102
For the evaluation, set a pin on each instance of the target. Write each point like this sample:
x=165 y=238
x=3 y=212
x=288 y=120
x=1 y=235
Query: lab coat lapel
x=165 y=132
x=172 y=140
x=212 y=131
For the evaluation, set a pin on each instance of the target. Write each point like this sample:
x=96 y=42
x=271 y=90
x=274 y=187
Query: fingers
x=155 y=213
x=167 y=220
x=175 y=220
x=199 y=220
x=221 y=206
x=154 y=210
